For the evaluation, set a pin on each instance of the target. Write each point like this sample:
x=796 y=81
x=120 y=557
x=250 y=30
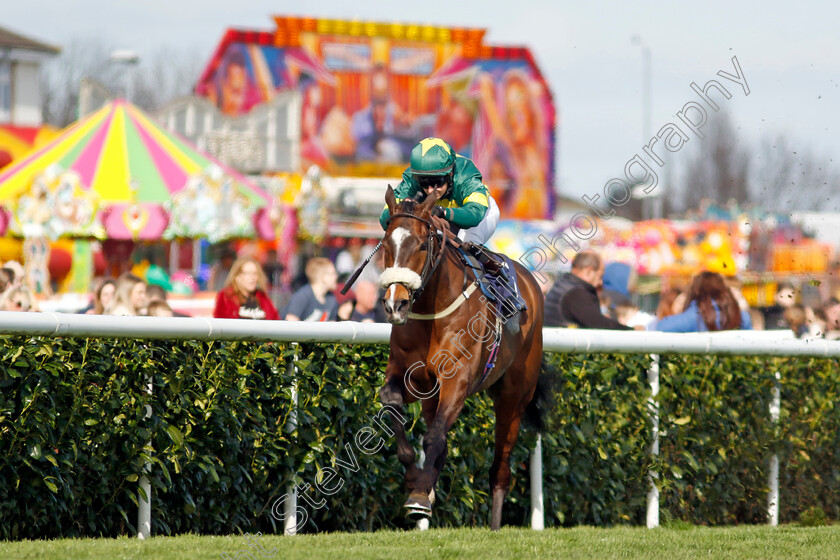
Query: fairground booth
x=326 y=112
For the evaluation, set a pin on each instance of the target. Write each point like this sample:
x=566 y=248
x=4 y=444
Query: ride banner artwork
x=367 y=100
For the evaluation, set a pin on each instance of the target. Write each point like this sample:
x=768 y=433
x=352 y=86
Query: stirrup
x=512 y=305
x=513 y=302
x=488 y=263
x=518 y=306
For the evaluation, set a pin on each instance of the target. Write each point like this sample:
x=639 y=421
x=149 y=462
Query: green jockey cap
x=432 y=156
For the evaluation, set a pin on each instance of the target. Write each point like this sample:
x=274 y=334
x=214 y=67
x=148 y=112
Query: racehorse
x=442 y=337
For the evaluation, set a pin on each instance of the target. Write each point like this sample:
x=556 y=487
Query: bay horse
x=441 y=339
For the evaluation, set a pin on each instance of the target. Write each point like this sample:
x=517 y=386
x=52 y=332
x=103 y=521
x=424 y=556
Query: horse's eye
x=424 y=246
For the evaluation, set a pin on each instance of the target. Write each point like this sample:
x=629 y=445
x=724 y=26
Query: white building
x=20 y=78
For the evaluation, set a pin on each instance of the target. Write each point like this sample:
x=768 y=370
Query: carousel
x=117 y=182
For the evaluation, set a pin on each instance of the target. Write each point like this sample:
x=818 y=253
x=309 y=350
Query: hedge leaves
x=225 y=440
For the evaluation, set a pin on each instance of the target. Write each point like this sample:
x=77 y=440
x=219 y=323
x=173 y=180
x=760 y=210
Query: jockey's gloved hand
x=439 y=211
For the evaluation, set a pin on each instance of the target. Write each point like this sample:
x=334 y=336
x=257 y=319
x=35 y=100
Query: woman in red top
x=244 y=295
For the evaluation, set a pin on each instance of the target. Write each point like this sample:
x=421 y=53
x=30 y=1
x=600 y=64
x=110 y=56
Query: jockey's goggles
x=427 y=182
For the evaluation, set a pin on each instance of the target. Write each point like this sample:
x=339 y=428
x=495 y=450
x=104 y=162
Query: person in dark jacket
x=573 y=300
x=315 y=301
x=774 y=315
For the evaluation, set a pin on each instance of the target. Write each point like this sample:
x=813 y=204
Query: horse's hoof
x=416 y=514
x=419 y=505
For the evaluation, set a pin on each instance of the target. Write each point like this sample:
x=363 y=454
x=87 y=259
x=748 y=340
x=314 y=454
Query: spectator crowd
x=593 y=294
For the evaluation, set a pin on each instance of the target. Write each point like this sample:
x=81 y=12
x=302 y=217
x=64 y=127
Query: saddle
x=496 y=277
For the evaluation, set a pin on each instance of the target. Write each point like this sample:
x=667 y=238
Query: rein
x=432 y=261
x=359 y=270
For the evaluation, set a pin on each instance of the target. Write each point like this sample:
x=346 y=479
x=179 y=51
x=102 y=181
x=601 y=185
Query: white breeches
x=485 y=228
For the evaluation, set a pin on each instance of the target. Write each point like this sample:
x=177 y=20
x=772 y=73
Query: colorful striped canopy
x=123 y=156
x=16 y=141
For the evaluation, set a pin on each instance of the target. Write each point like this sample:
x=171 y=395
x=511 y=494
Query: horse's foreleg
x=438 y=420
x=391 y=395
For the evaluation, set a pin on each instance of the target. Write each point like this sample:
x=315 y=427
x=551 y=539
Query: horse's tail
x=542 y=401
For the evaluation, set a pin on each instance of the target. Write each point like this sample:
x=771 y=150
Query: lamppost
x=646 y=113
x=636 y=40
x=130 y=59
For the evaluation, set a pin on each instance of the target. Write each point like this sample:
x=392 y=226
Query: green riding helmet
x=432 y=157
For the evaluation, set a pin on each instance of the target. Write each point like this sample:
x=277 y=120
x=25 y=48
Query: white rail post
x=537 y=510
x=290 y=522
x=773 y=496
x=423 y=522
x=144 y=504
x=653 y=413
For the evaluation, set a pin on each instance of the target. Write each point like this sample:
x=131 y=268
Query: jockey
x=464 y=200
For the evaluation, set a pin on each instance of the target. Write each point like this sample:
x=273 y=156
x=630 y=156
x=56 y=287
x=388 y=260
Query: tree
x=787 y=177
x=777 y=176
x=169 y=73
x=62 y=76
x=165 y=74
x=719 y=168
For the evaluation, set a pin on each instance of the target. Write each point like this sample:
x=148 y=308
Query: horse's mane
x=408 y=206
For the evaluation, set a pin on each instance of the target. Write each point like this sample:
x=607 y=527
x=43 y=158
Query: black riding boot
x=512 y=303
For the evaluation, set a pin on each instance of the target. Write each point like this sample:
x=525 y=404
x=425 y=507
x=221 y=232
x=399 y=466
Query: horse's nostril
x=402 y=304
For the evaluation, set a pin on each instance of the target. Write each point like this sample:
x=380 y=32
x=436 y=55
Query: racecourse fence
x=654 y=344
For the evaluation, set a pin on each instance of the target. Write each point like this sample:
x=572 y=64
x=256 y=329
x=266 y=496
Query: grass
x=514 y=543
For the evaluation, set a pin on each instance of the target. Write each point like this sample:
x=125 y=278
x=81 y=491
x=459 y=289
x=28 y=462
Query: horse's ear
x=390 y=199
x=430 y=201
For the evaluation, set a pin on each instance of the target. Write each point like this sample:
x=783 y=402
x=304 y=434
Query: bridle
x=432 y=240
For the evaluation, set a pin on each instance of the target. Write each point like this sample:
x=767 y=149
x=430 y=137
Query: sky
x=789 y=55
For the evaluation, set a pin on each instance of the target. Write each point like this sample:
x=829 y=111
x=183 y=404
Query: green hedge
x=224 y=444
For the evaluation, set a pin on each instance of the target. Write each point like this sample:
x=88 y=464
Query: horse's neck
x=445 y=284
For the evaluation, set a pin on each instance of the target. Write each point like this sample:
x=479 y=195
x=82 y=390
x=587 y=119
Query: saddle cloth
x=493 y=286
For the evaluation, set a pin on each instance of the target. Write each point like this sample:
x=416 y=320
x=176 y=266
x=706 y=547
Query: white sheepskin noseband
x=399 y=275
